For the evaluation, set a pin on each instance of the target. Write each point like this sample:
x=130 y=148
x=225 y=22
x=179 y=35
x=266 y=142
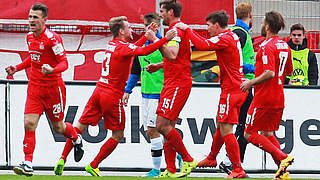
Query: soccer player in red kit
x=229 y=54
x=175 y=92
x=273 y=63
x=46 y=89
x=106 y=100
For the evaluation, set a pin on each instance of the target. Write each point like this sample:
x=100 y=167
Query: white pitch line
x=116 y=173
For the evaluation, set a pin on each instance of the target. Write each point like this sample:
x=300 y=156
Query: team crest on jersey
x=41 y=46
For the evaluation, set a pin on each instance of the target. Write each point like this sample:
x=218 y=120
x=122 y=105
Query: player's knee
x=246 y=135
x=160 y=128
x=117 y=135
x=152 y=133
x=58 y=129
x=30 y=125
x=267 y=133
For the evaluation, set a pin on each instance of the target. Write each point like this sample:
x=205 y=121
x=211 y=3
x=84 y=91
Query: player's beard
x=263 y=31
x=165 y=22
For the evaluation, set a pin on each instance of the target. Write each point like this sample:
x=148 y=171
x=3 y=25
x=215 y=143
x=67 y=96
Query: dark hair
x=297 y=27
x=172 y=4
x=152 y=17
x=43 y=8
x=220 y=17
x=115 y=24
x=275 y=21
x=243 y=9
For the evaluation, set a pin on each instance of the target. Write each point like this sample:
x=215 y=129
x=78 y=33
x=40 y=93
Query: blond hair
x=116 y=23
x=243 y=10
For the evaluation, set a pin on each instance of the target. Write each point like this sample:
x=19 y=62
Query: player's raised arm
x=170 y=51
x=156 y=45
x=199 y=42
x=143 y=39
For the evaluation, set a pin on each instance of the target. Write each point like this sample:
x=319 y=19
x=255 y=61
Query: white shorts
x=148 y=109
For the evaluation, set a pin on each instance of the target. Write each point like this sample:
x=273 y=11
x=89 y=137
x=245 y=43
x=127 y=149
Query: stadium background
x=84 y=31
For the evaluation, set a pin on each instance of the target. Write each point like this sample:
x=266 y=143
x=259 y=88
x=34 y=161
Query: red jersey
x=273 y=55
x=229 y=54
x=178 y=72
x=117 y=64
x=45 y=49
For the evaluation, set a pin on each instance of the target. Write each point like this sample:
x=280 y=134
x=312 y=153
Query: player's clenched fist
x=171 y=34
x=46 y=69
x=153 y=26
x=11 y=70
x=150 y=35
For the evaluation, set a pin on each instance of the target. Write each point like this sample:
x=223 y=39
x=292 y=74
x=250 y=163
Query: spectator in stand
x=305 y=67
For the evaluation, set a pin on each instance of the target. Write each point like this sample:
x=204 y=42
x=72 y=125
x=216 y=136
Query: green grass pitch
x=49 y=177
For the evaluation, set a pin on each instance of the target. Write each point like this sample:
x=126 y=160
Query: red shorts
x=229 y=107
x=172 y=100
x=51 y=99
x=263 y=119
x=103 y=103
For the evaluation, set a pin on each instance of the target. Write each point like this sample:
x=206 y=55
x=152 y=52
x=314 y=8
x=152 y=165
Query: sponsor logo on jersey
x=111 y=48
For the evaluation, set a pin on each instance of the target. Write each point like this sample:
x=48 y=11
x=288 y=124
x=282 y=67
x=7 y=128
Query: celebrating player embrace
x=106 y=100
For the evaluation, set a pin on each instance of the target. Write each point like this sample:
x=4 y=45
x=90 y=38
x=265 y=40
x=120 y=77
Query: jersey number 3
x=105 y=65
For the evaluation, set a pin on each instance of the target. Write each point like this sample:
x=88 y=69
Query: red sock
x=233 y=151
x=216 y=145
x=175 y=140
x=104 y=152
x=170 y=157
x=29 y=143
x=70 y=132
x=275 y=142
x=68 y=146
x=265 y=144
